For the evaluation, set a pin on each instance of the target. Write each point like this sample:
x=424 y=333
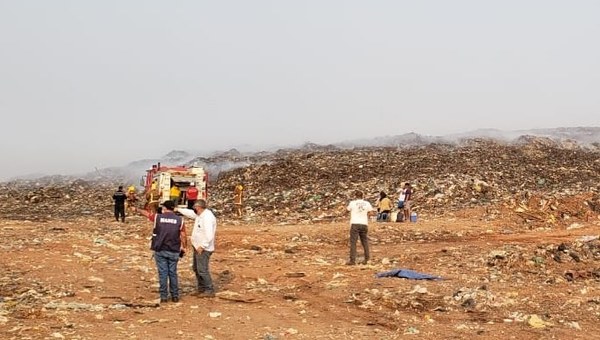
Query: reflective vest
x=166 y=234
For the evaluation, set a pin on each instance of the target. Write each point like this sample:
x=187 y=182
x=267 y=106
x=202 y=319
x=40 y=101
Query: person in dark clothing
x=120 y=197
x=168 y=244
x=169 y=240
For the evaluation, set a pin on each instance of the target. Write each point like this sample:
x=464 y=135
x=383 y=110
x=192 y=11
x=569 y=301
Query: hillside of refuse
x=536 y=181
x=535 y=178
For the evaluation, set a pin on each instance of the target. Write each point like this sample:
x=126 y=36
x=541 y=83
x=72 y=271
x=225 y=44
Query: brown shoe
x=350 y=263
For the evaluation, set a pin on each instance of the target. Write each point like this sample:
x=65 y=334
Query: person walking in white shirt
x=203 y=242
x=359 y=219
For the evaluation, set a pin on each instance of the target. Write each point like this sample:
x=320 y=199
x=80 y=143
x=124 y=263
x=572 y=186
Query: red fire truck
x=163 y=178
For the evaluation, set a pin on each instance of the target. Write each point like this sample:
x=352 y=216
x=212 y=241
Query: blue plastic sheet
x=408 y=274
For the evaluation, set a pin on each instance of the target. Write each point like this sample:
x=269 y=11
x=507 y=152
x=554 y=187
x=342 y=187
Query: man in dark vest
x=119 y=196
x=168 y=242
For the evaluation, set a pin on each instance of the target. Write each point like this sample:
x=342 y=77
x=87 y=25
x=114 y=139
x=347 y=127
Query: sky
x=91 y=84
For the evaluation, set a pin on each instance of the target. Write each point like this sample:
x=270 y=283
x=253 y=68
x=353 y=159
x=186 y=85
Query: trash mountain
x=534 y=180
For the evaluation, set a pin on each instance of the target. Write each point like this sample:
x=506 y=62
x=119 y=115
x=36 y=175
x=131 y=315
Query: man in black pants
x=119 y=197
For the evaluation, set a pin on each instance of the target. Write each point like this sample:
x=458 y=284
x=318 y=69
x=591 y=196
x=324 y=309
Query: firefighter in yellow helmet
x=131 y=199
x=152 y=198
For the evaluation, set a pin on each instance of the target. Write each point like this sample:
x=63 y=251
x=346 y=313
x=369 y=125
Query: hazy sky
x=87 y=84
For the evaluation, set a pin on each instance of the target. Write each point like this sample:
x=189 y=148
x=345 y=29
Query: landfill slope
x=535 y=180
x=314 y=185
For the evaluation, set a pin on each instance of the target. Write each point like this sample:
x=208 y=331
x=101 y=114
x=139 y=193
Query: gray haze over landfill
x=86 y=85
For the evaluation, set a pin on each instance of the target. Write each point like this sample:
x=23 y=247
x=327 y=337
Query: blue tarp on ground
x=408 y=274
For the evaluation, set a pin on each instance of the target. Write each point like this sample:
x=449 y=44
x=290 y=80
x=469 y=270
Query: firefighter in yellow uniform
x=174 y=193
x=131 y=199
x=152 y=198
x=238 y=197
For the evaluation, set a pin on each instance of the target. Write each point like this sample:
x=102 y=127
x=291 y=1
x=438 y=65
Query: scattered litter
x=536 y=322
x=587 y=238
x=411 y=331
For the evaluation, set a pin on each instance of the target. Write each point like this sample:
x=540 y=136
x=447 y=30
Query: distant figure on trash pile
x=174 y=193
x=384 y=207
x=131 y=199
x=169 y=241
x=191 y=195
x=360 y=210
x=203 y=244
x=238 y=197
x=152 y=198
x=404 y=203
x=119 y=197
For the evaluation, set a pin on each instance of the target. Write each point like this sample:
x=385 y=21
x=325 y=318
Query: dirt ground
x=91 y=279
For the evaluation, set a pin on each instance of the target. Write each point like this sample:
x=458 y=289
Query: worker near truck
x=131 y=199
x=203 y=243
x=174 y=193
x=191 y=195
x=152 y=198
x=119 y=197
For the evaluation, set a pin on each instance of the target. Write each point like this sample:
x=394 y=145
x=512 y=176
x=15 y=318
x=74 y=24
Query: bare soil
x=91 y=279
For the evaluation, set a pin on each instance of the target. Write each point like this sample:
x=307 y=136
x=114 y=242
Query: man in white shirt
x=404 y=203
x=360 y=210
x=203 y=242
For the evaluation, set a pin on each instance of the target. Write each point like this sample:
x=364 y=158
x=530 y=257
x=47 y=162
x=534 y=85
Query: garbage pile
x=55 y=197
x=532 y=179
x=536 y=182
x=551 y=209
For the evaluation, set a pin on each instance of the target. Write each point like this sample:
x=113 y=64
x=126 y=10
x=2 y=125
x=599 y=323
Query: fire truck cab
x=163 y=178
